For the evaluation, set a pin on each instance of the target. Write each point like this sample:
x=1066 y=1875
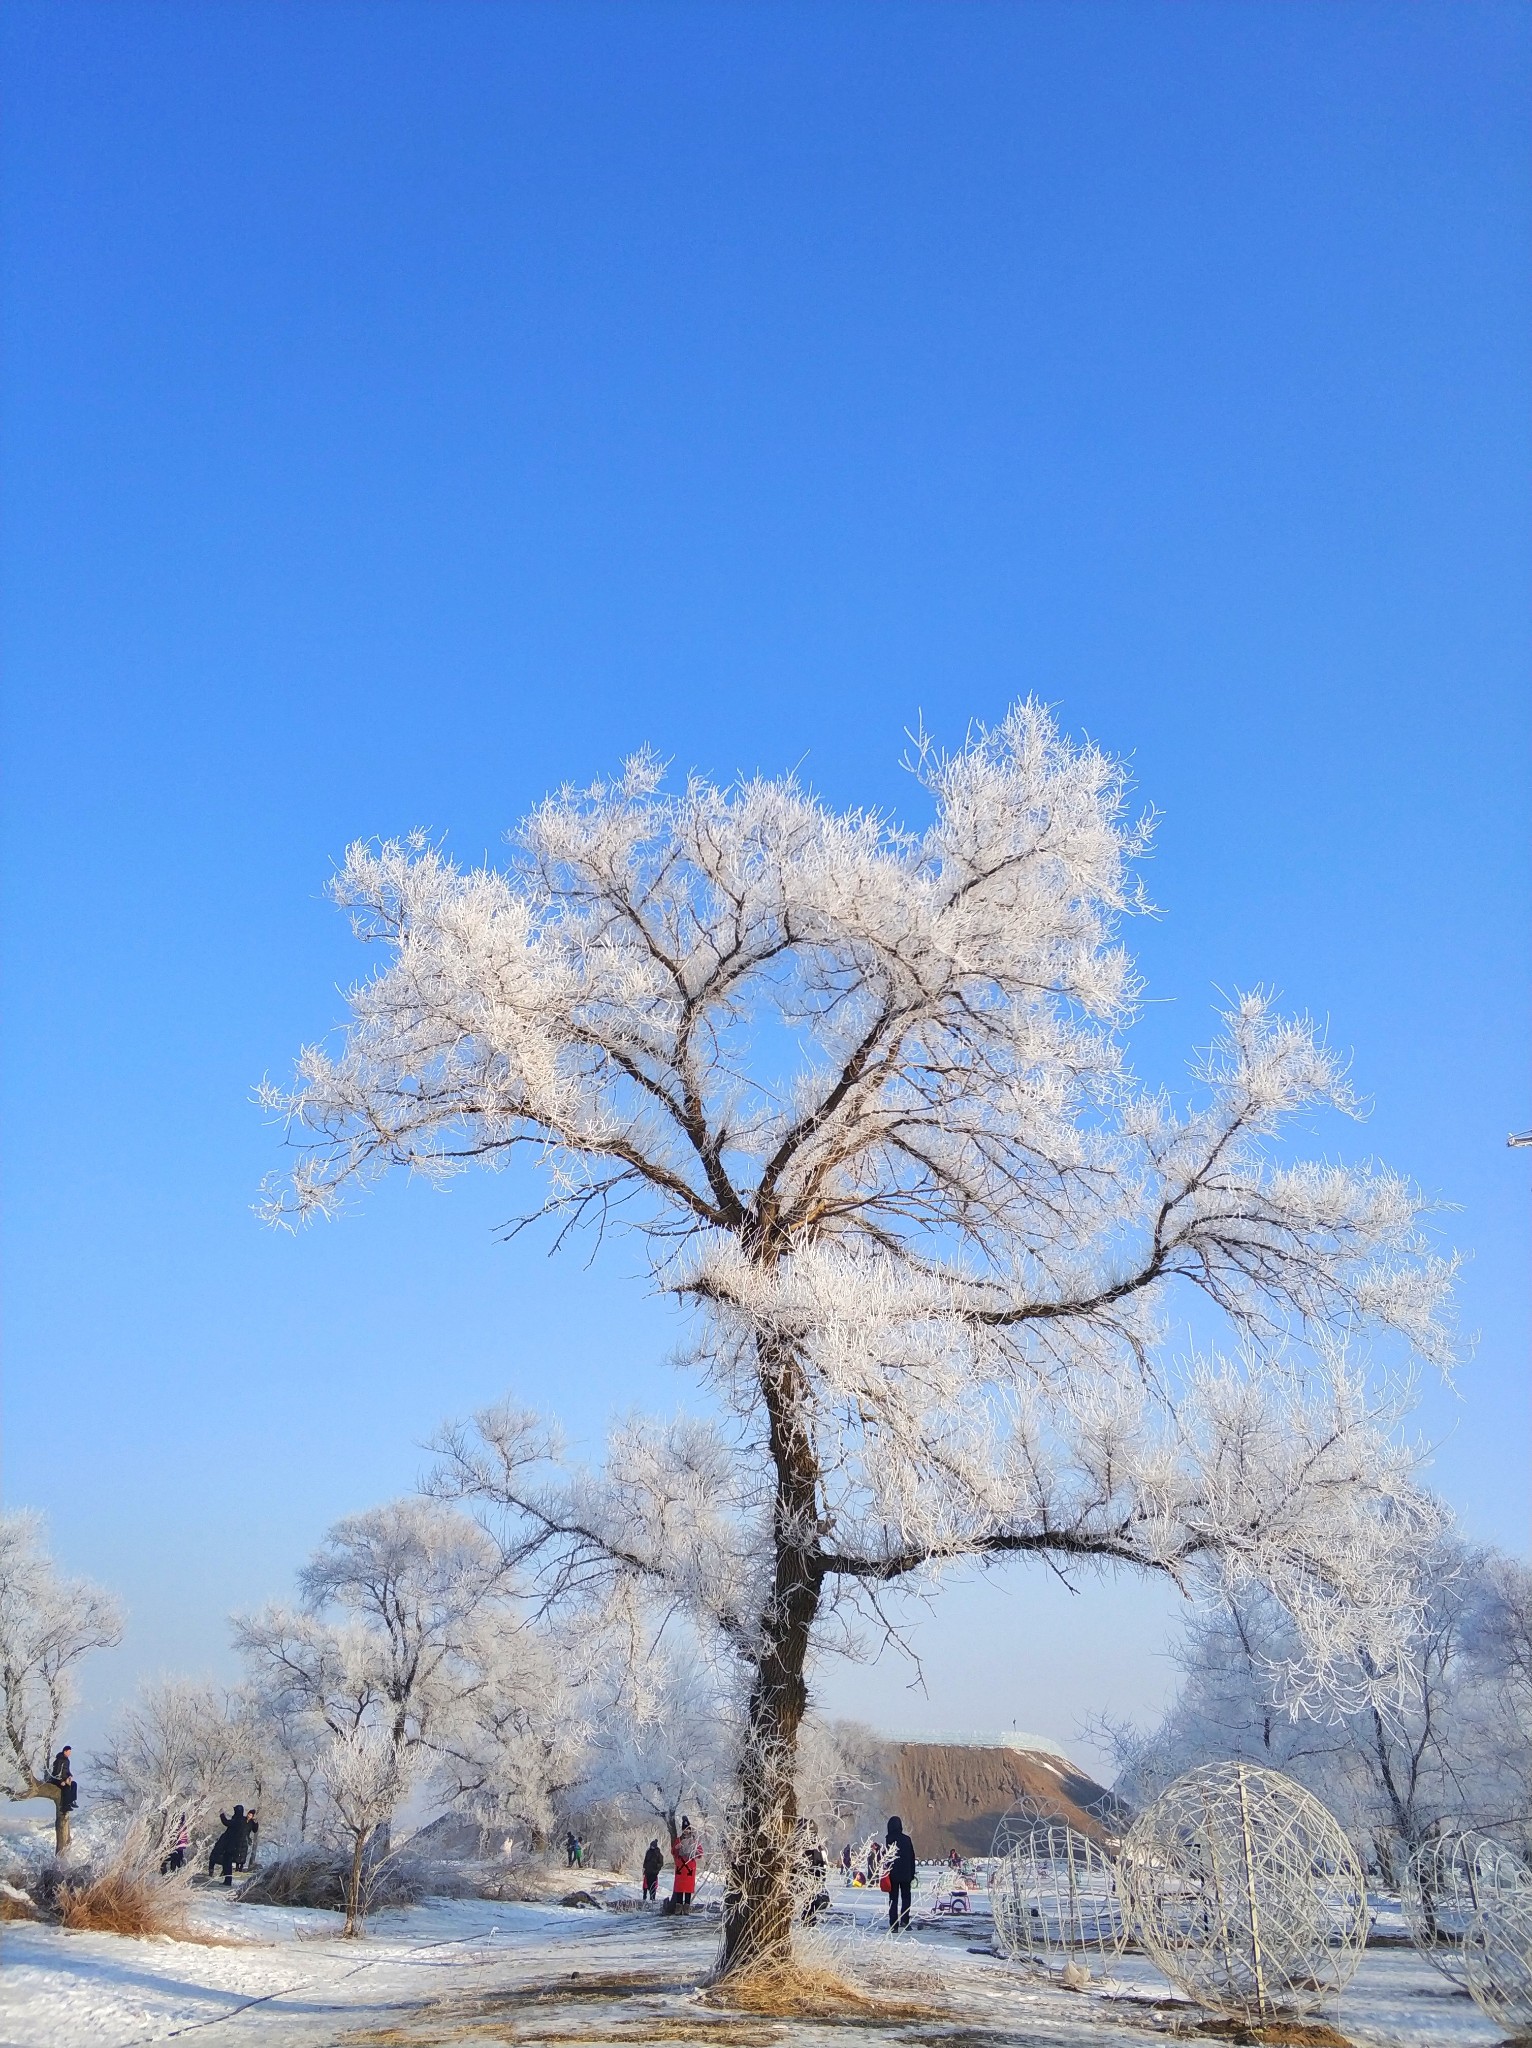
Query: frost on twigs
x=863 y=1090
x=1244 y=1890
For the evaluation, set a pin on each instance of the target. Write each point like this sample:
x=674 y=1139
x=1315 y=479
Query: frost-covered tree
x=184 y=1748
x=365 y=1774
x=518 y=1743
x=843 y=1769
x=1497 y=1642
x=663 y=1740
x=1436 y=1750
x=864 y=1090
x=48 y=1624
x=406 y=1626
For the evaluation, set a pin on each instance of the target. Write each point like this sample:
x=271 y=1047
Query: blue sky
x=408 y=407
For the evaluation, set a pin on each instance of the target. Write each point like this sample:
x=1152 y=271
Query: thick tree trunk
x=758 y=1900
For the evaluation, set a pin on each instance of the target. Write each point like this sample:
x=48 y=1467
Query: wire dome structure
x=1497 y=1950
x=1444 y=1885
x=1031 y=1814
x=1244 y=1890
x=1055 y=1898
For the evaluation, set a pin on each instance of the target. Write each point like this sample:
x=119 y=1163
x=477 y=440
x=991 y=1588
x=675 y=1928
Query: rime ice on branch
x=863 y=1089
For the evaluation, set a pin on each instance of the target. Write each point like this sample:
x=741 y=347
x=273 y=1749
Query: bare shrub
x=308 y=1877
x=317 y=1879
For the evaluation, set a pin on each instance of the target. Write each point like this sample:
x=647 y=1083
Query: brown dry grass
x=121 y=1900
x=1279 y=2033
x=17 y=1909
x=806 y=1990
x=126 y=1900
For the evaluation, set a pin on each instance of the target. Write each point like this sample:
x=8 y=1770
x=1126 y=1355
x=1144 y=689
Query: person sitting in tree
x=62 y=1775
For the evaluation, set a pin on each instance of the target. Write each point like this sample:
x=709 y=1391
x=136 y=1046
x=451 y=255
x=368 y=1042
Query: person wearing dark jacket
x=812 y=1870
x=899 y=1868
x=654 y=1863
x=232 y=1845
x=63 y=1776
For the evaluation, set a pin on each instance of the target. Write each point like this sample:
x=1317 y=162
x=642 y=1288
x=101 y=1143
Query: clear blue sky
x=407 y=407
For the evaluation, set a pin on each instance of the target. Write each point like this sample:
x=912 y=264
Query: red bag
x=883 y=1883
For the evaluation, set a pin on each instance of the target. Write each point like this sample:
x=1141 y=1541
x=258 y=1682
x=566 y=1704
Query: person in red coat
x=685 y=1854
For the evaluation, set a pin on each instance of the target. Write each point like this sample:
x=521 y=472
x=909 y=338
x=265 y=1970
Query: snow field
x=469 y=1970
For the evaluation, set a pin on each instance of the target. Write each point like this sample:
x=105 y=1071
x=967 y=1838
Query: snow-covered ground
x=470 y=1971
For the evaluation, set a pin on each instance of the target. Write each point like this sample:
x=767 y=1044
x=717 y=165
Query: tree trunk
x=44 y=1788
x=354 y=1885
x=758 y=1900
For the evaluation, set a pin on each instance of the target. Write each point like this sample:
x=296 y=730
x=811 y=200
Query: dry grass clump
x=15 y=1904
x=122 y=1900
x=1279 y=2033
x=806 y=1988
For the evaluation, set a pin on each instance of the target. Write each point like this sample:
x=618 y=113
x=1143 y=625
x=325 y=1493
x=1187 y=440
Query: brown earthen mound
x=952 y=1795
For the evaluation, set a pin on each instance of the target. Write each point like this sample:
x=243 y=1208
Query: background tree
x=1497 y=1643
x=863 y=1089
x=185 y=1748
x=48 y=1623
x=1444 y=1747
x=365 y=1775
x=405 y=1609
x=518 y=1743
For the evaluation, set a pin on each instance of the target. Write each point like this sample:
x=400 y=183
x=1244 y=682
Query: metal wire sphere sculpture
x=1242 y=1887
x=1444 y=1884
x=1497 y=1949
x=1054 y=1897
x=1023 y=1818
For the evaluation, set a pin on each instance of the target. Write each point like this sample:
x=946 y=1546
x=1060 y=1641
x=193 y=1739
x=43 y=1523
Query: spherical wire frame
x=1022 y=1818
x=1054 y=1897
x=1444 y=1885
x=1497 y=1947
x=1242 y=1887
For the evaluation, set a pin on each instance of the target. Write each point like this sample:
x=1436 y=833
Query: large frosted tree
x=864 y=1090
x=48 y=1624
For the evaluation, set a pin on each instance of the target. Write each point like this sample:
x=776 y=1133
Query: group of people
x=685 y=1856
x=574 y=1850
x=890 y=1864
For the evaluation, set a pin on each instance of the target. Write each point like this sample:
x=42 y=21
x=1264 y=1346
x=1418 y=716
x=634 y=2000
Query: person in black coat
x=232 y=1846
x=654 y=1863
x=899 y=1867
